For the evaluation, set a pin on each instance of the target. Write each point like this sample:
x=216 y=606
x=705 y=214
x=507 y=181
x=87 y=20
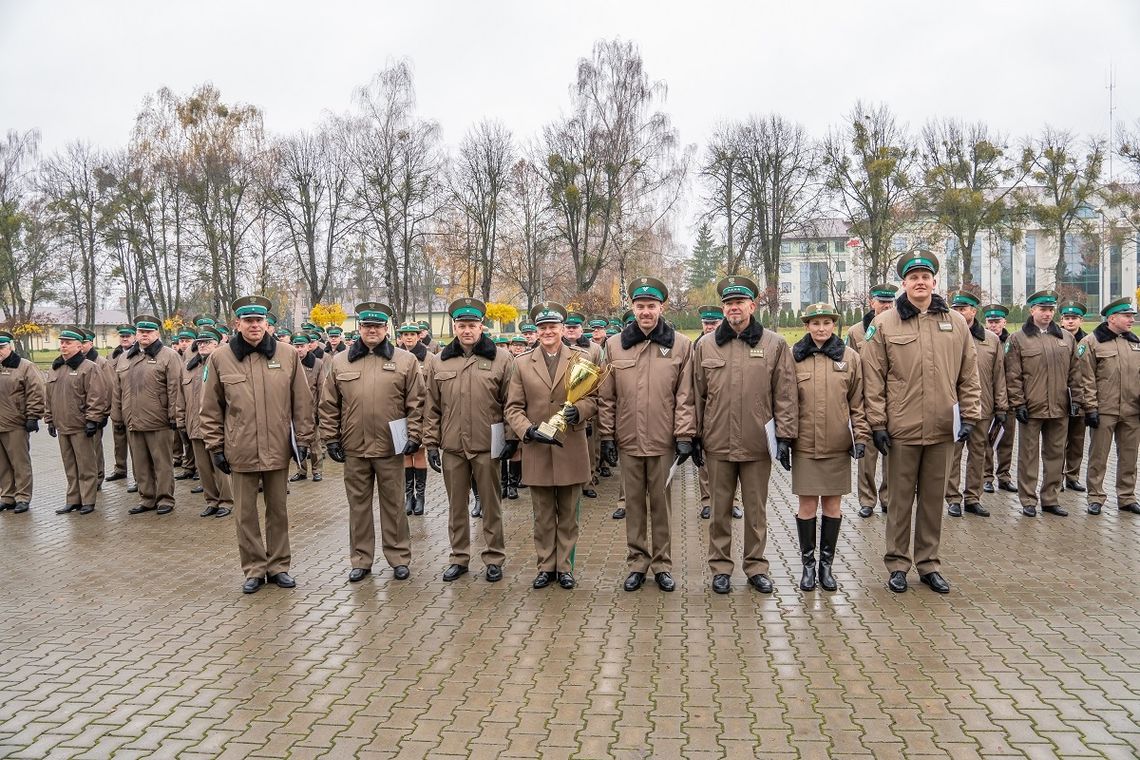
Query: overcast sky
x=79 y=69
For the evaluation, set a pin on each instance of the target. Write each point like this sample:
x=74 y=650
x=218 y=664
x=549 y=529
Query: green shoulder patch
x=1006 y=349
x=870 y=333
x=1081 y=350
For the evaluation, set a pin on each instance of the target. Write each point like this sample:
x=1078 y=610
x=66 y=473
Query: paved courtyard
x=128 y=637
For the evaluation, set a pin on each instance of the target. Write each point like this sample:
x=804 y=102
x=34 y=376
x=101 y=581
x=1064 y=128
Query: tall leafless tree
x=478 y=182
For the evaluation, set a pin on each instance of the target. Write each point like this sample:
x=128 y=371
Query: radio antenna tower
x=1111 y=87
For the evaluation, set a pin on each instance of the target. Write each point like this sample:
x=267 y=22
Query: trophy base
x=551 y=433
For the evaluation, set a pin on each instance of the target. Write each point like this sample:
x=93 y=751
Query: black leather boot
x=409 y=490
x=828 y=536
x=421 y=486
x=806 y=529
x=504 y=478
x=514 y=475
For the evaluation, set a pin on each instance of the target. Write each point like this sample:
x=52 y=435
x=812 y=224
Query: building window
x=841 y=266
x=785 y=247
x=785 y=287
x=1081 y=269
x=1030 y=264
x=1115 y=276
x=813 y=282
x=839 y=246
x=1005 y=259
x=805 y=247
x=785 y=267
x=821 y=247
x=951 y=265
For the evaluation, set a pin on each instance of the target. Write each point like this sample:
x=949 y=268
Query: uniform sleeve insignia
x=1006 y=349
x=1081 y=350
x=870 y=333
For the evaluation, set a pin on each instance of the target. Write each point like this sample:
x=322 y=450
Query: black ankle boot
x=828 y=536
x=514 y=475
x=409 y=490
x=504 y=478
x=421 y=486
x=806 y=529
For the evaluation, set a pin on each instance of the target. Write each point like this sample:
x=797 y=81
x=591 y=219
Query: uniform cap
x=1042 y=298
x=519 y=339
x=373 y=312
x=125 y=329
x=548 y=311
x=995 y=311
x=819 y=310
x=1074 y=307
x=335 y=330
x=463 y=308
x=884 y=291
x=207 y=333
x=1119 y=306
x=147 y=322
x=70 y=332
x=737 y=286
x=598 y=324
x=186 y=334
x=251 y=306
x=200 y=320
x=915 y=261
x=710 y=313
x=409 y=327
x=529 y=328
x=963 y=298
x=6 y=337
x=271 y=318
x=647 y=287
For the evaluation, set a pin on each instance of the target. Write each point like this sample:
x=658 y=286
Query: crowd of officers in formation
x=917 y=384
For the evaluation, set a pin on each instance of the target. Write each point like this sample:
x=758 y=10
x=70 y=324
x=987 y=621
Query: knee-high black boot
x=828 y=537
x=504 y=478
x=421 y=486
x=514 y=475
x=409 y=490
x=806 y=529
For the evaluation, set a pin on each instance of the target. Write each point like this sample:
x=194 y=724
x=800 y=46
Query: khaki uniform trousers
x=916 y=471
x=1074 y=448
x=1126 y=432
x=459 y=473
x=753 y=479
x=316 y=456
x=16 y=467
x=975 y=447
x=121 y=448
x=271 y=556
x=184 y=450
x=1042 y=443
x=79 y=465
x=703 y=482
x=385 y=475
x=594 y=445
x=648 y=513
x=1002 y=454
x=555 y=526
x=215 y=483
x=97 y=442
x=154 y=472
x=867 y=469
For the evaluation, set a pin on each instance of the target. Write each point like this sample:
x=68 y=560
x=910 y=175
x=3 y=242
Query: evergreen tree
x=703 y=266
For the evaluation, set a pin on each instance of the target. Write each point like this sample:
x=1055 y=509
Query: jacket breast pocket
x=902 y=353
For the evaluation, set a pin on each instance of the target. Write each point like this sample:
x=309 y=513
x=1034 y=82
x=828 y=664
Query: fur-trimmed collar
x=582 y=342
x=661 y=334
x=1079 y=335
x=267 y=347
x=73 y=362
x=117 y=352
x=1031 y=330
x=1103 y=334
x=750 y=335
x=195 y=361
x=978 y=331
x=805 y=347
x=92 y=355
x=151 y=350
x=309 y=360
x=907 y=310
x=1004 y=335
x=359 y=350
x=867 y=319
x=484 y=347
x=12 y=361
x=420 y=351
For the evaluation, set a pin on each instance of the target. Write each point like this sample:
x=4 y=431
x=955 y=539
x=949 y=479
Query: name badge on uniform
x=274 y=364
x=840 y=366
x=756 y=353
x=946 y=326
x=152 y=361
x=73 y=373
x=484 y=364
x=390 y=366
x=5 y=372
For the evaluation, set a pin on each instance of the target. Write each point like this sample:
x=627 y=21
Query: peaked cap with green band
x=647 y=287
x=6 y=337
x=300 y=339
x=186 y=334
x=548 y=311
x=884 y=291
x=1074 y=307
x=334 y=330
x=518 y=339
x=221 y=327
x=88 y=335
x=575 y=318
x=598 y=324
x=710 y=313
x=71 y=332
x=373 y=313
x=200 y=320
x=463 y=308
x=271 y=318
x=1042 y=298
x=147 y=322
x=737 y=286
x=251 y=306
x=1119 y=306
x=208 y=333
x=125 y=329
x=995 y=311
x=627 y=317
x=815 y=310
x=963 y=298
x=409 y=327
x=501 y=340
x=612 y=330
x=529 y=327
x=916 y=261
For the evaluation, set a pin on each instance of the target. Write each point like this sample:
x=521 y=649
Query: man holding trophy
x=553 y=392
x=646 y=411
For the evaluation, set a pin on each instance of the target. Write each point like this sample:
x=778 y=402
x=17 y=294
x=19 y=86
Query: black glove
x=858 y=451
x=571 y=415
x=999 y=418
x=698 y=452
x=533 y=437
x=173 y=425
x=220 y=462
x=965 y=429
x=589 y=430
x=411 y=447
x=103 y=422
x=882 y=441
x=434 y=460
x=336 y=452
x=1092 y=419
x=509 y=449
x=609 y=453
x=784 y=453
x=302 y=453
x=1022 y=414
x=32 y=426
x=684 y=450
x=120 y=427
x=90 y=428
x=51 y=430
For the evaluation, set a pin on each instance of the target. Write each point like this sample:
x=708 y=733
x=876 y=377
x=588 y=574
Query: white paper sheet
x=770 y=429
x=293 y=442
x=498 y=440
x=851 y=430
x=399 y=430
x=957 y=422
x=995 y=437
x=672 y=470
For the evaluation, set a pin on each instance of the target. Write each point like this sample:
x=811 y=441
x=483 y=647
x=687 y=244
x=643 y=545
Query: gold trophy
x=582 y=376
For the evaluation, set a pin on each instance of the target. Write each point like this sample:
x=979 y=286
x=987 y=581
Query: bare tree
x=725 y=204
x=1124 y=196
x=870 y=161
x=478 y=182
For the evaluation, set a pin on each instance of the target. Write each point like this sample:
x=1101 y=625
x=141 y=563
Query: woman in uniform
x=415 y=465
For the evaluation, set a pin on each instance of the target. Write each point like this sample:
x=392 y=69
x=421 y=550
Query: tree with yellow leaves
x=324 y=315
x=503 y=313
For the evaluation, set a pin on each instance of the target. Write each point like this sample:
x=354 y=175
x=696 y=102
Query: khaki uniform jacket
x=533 y=398
x=915 y=368
x=146 y=391
x=646 y=402
x=190 y=404
x=76 y=394
x=1041 y=370
x=364 y=391
x=857 y=333
x=21 y=393
x=465 y=397
x=1110 y=372
x=252 y=402
x=830 y=396
x=991 y=371
x=314 y=378
x=739 y=387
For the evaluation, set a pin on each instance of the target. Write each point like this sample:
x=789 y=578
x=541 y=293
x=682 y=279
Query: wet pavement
x=127 y=636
